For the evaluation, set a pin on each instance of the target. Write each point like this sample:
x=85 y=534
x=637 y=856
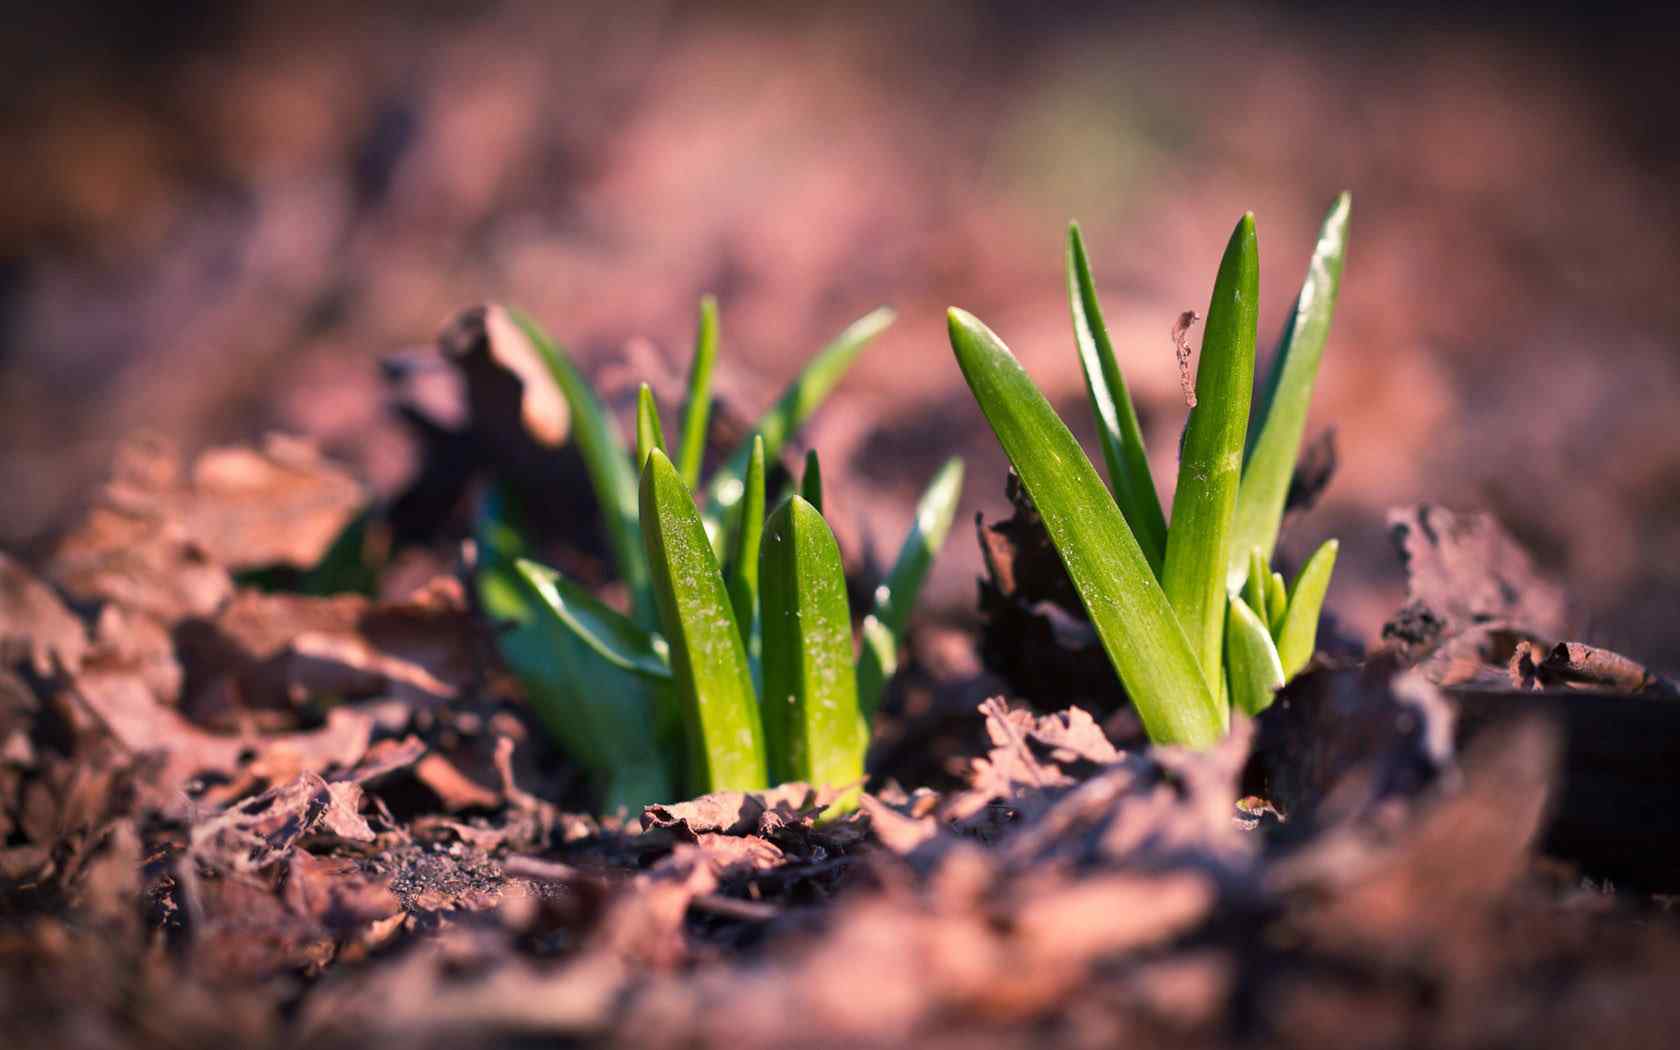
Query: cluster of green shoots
x=1190 y=614
x=734 y=668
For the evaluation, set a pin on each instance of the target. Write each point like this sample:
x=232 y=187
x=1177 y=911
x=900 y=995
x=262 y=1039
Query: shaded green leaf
x=896 y=595
x=802 y=397
x=708 y=660
x=813 y=728
x=691 y=447
x=602 y=449
x=1251 y=660
x=612 y=636
x=1128 y=608
x=1299 y=635
x=611 y=721
x=1123 y=450
x=1275 y=442
x=1210 y=465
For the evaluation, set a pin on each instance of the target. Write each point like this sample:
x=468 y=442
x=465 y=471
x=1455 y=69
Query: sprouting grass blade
x=600 y=714
x=877 y=662
x=896 y=595
x=1128 y=608
x=613 y=637
x=1277 y=602
x=1254 y=587
x=1111 y=402
x=697 y=410
x=1299 y=634
x=650 y=434
x=802 y=397
x=708 y=660
x=742 y=578
x=602 y=449
x=1251 y=660
x=810 y=483
x=1275 y=442
x=813 y=728
x=1210 y=465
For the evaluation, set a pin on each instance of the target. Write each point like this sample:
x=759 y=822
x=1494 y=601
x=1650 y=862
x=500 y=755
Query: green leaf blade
x=650 y=434
x=1209 y=471
x=811 y=483
x=1275 y=443
x=1121 y=438
x=814 y=729
x=1251 y=660
x=1128 y=608
x=697 y=409
x=708 y=659
x=611 y=636
x=742 y=578
x=802 y=397
x=599 y=443
x=611 y=721
x=896 y=595
x=1299 y=635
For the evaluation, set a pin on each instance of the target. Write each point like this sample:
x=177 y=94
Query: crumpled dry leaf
x=735 y=812
x=281 y=651
x=1575 y=665
x=159 y=543
x=261 y=830
x=1472 y=593
x=35 y=627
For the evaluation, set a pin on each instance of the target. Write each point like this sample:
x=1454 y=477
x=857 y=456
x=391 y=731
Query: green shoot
x=810 y=483
x=650 y=434
x=691 y=449
x=742 y=578
x=1111 y=403
x=1298 y=636
x=1254 y=670
x=808 y=390
x=884 y=627
x=814 y=729
x=1128 y=608
x=708 y=661
x=1275 y=442
x=1209 y=468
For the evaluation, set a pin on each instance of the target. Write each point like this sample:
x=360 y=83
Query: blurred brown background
x=217 y=218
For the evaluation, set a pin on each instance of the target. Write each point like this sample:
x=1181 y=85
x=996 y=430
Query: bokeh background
x=219 y=216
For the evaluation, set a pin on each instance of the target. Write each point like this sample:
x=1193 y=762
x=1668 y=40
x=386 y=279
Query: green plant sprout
x=1190 y=613
x=734 y=667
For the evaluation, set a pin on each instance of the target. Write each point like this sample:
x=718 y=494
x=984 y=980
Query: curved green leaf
x=896 y=595
x=610 y=635
x=691 y=447
x=708 y=661
x=1299 y=635
x=604 y=456
x=1123 y=450
x=802 y=397
x=1275 y=442
x=1251 y=660
x=611 y=721
x=813 y=728
x=1129 y=610
x=1210 y=465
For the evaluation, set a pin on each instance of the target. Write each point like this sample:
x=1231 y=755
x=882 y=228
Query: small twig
x=736 y=908
x=1181 y=347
